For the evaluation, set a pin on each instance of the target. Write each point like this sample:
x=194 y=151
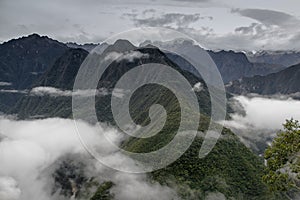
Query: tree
x=283 y=159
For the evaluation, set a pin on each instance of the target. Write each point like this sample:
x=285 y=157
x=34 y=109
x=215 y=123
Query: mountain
x=24 y=59
x=62 y=75
x=63 y=72
x=231 y=170
x=235 y=65
x=285 y=58
x=22 y=62
x=232 y=65
x=88 y=47
x=286 y=81
x=234 y=175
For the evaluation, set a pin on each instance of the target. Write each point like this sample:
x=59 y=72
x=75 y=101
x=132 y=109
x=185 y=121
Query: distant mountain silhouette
x=235 y=65
x=232 y=65
x=286 y=81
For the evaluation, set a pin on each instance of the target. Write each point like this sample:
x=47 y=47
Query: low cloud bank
x=9 y=189
x=30 y=149
x=56 y=92
x=51 y=91
x=266 y=113
x=257 y=119
x=2 y=83
x=125 y=56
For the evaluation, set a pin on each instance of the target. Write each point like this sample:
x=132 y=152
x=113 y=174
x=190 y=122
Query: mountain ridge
x=286 y=81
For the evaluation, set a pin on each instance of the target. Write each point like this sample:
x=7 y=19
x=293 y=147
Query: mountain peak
x=34 y=35
x=121 y=45
x=31 y=40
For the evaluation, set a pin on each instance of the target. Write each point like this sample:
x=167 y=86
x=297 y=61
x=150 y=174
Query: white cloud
x=4 y=83
x=126 y=56
x=9 y=189
x=266 y=113
x=56 y=92
x=198 y=87
x=29 y=149
x=257 y=119
x=13 y=91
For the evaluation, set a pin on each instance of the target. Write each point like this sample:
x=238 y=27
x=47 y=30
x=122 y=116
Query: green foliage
x=283 y=159
x=102 y=192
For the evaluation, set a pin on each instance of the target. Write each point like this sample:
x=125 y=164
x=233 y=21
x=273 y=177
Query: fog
x=257 y=119
x=30 y=151
x=266 y=113
x=126 y=56
x=57 y=92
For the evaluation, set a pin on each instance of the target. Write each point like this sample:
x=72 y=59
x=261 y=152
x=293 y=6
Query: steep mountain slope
x=23 y=60
x=231 y=170
x=64 y=71
x=61 y=76
x=284 y=82
x=234 y=65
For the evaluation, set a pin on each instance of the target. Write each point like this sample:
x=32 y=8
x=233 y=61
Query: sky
x=217 y=24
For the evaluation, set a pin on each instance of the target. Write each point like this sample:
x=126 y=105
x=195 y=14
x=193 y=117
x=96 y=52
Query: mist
x=31 y=150
x=257 y=119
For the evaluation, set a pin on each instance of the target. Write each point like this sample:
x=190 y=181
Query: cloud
x=125 y=56
x=252 y=29
x=272 y=29
x=268 y=17
x=41 y=91
x=175 y=20
x=31 y=150
x=5 y=83
x=260 y=112
x=56 y=92
x=14 y=91
x=215 y=196
x=9 y=189
x=198 y=87
x=51 y=91
x=257 y=119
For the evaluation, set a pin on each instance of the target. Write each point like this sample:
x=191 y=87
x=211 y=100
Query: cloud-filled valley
x=30 y=150
x=257 y=119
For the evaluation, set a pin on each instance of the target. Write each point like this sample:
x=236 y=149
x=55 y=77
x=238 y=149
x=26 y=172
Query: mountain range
x=285 y=58
x=231 y=169
x=285 y=82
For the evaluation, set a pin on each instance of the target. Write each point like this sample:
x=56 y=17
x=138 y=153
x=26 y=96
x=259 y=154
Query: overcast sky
x=217 y=24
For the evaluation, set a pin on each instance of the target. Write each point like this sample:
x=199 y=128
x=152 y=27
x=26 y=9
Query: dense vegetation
x=283 y=159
